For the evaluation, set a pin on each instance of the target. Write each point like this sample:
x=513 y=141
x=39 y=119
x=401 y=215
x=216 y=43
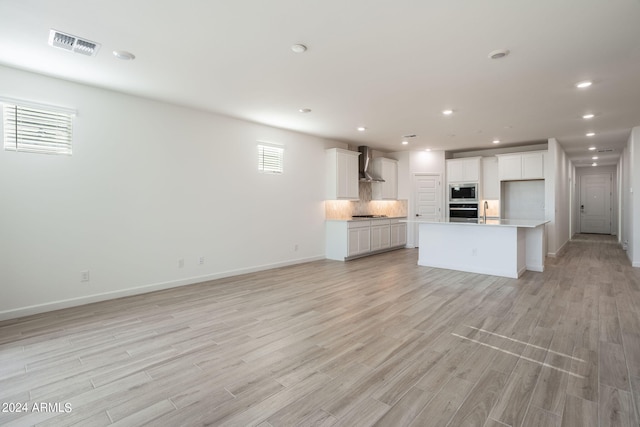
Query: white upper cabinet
x=533 y=166
x=521 y=166
x=386 y=169
x=490 y=181
x=463 y=170
x=342 y=174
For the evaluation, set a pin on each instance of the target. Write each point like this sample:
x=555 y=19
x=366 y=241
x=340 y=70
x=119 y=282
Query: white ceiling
x=389 y=66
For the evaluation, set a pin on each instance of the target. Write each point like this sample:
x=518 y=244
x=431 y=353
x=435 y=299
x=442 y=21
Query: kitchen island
x=500 y=247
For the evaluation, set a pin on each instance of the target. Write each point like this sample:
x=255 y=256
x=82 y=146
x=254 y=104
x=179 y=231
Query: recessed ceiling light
x=361 y=129
x=496 y=141
x=299 y=48
x=428 y=149
x=305 y=110
x=583 y=84
x=124 y=55
x=447 y=112
x=594 y=158
x=592 y=148
x=499 y=53
x=405 y=142
x=588 y=116
x=591 y=134
x=594 y=164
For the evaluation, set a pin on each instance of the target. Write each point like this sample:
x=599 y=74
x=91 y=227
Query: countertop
x=502 y=222
x=367 y=219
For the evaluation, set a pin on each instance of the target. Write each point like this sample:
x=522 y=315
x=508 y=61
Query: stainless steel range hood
x=365 y=158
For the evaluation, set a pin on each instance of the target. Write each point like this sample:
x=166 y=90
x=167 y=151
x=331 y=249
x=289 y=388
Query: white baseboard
x=73 y=302
x=559 y=251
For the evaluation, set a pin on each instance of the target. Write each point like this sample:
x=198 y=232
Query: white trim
x=559 y=251
x=38 y=105
x=74 y=302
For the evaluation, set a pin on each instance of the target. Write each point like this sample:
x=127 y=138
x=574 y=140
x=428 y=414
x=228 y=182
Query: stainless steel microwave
x=463 y=192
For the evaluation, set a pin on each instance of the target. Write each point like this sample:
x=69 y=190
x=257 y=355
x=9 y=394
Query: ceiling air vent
x=605 y=150
x=72 y=43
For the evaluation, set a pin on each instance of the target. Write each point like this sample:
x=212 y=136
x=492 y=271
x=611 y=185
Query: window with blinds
x=270 y=159
x=36 y=129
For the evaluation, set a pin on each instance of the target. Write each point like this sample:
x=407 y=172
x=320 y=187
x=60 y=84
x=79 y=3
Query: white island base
x=500 y=247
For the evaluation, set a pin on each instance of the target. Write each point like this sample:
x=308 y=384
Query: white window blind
x=270 y=159
x=36 y=129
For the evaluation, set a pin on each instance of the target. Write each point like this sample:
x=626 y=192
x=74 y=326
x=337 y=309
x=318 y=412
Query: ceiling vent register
x=72 y=43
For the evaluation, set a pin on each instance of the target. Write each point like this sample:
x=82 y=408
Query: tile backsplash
x=344 y=209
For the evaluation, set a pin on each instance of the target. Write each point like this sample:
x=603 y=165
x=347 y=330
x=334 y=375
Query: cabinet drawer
x=359 y=224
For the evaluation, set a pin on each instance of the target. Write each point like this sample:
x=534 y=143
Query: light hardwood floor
x=375 y=341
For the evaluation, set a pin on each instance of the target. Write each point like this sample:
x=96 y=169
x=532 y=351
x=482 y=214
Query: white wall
x=148 y=183
x=558 y=174
x=631 y=202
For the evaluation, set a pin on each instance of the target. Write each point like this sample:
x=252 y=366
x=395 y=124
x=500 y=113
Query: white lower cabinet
x=380 y=234
x=398 y=233
x=352 y=239
x=359 y=238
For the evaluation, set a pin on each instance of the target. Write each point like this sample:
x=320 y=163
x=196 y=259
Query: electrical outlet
x=181 y=263
x=201 y=260
x=84 y=276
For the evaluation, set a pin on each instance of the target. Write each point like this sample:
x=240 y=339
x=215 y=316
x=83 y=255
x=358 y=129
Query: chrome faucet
x=484 y=215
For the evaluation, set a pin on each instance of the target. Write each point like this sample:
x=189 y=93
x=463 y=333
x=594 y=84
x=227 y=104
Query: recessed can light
x=124 y=55
x=594 y=158
x=496 y=141
x=591 y=134
x=447 y=112
x=499 y=53
x=594 y=164
x=588 y=116
x=592 y=148
x=405 y=142
x=584 y=84
x=362 y=129
x=305 y=110
x=299 y=48
x=427 y=149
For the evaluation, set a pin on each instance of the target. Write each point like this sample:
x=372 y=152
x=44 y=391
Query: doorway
x=427 y=201
x=595 y=203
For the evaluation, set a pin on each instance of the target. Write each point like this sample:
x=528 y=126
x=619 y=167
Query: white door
x=427 y=200
x=595 y=204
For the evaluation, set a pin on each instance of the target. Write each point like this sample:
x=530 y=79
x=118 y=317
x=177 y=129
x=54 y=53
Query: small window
x=270 y=159
x=36 y=129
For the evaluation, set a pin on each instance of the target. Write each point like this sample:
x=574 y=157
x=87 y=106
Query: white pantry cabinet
x=463 y=170
x=353 y=239
x=342 y=174
x=386 y=169
x=521 y=166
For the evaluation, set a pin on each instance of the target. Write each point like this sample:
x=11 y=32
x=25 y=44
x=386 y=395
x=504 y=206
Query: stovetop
x=368 y=216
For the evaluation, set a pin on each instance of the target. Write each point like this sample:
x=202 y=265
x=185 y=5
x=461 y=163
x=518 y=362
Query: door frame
x=612 y=206
x=412 y=231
